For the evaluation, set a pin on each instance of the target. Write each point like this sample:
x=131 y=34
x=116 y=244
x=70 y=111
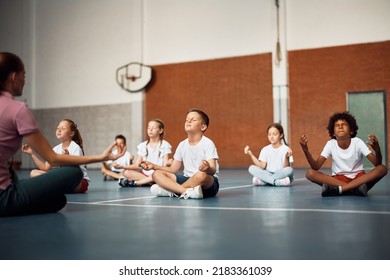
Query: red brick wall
x=236 y=93
x=319 y=80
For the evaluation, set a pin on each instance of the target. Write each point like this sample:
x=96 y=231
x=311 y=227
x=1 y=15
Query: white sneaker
x=258 y=182
x=283 y=182
x=159 y=191
x=195 y=193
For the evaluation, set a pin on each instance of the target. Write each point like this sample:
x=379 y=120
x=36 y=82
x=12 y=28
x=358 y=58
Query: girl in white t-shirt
x=71 y=144
x=274 y=164
x=155 y=150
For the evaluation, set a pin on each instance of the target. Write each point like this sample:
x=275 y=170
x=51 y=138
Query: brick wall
x=236 y=93
x=319 y=80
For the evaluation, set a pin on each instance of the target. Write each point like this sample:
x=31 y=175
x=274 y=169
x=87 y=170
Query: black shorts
x=209 y=192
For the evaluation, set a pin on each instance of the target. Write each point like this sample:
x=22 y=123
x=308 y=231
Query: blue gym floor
x=243 y=222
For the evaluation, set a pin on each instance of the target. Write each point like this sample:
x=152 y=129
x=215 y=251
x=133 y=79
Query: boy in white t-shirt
x=347 y=153
x=198 y=155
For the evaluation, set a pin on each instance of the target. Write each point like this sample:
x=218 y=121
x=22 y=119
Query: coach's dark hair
x=9 y=63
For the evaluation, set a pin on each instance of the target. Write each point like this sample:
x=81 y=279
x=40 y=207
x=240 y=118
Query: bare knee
x=200 y=176
x=310 y=174
x=36 y=172
x=126 y=173
x=157 y=174
x=382 y=170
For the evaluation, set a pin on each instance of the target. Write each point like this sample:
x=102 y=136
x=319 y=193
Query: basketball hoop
x=133 y=77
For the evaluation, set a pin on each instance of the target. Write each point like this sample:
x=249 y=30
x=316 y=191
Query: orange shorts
x=346 y=179
x=83 y=187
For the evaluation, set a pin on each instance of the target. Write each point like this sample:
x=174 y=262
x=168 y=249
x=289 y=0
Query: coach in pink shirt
x=44 y=193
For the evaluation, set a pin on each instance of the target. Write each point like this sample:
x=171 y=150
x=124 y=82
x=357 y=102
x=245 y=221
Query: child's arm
x=314 y=164
x=134 y=166
x=208 y=166
x=42 y=165
x=287 y=158
x=374 y=146
x=173 y=168
x=257 y=162
x=42 y=147
x=167 y=160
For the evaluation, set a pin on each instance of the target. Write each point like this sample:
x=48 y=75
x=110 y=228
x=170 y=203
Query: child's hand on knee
x=204 y=166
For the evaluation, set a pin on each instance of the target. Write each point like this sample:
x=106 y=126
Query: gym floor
x=243 y=222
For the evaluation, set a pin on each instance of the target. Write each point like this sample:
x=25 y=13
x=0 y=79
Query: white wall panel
x=317 y=23
x=188 y=30
x=78 y=47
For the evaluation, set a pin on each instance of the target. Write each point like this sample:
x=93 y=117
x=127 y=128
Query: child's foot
x=159 y=191
x=330 y=191
x=283 y=182
x=360 y=191
x=124 y=182
x=195 y=193
x=258 y=182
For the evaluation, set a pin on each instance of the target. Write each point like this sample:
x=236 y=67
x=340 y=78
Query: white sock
x=340 y=189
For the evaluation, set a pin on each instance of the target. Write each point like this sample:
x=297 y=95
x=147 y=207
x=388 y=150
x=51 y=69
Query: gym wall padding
x=98 y=126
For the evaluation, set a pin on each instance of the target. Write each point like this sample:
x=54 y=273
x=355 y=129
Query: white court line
x=142 y=197
x=300 y=179
x=243 y=208
x=236 y=187
x=115 y=200
x=110 y=203
x=139 y=198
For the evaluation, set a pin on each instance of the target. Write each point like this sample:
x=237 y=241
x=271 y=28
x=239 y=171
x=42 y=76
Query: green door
x=369 y=109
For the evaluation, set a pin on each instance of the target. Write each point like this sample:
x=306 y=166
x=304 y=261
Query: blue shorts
x=210 y=192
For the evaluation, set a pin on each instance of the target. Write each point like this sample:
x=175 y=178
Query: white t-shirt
x=153 y=155
x=274 y=157
x=123 y=160
x=347 y=162
x=192 y=156
x=75 y=150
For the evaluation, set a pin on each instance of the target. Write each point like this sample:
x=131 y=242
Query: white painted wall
x=318 y=23
x=191 y=30
x=74 y=47
x=78 y=46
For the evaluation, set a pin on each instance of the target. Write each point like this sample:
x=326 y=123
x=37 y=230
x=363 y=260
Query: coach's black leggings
x=42 y=194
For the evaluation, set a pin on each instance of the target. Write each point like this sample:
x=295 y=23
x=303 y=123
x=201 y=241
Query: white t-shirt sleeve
x=179 y=152
x=327 y=150
x=142 y=150
x=165 y=148
x=362 y=147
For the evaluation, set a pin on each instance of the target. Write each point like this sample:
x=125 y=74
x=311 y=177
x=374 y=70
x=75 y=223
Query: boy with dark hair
x=347 y=153
x=113 y=170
